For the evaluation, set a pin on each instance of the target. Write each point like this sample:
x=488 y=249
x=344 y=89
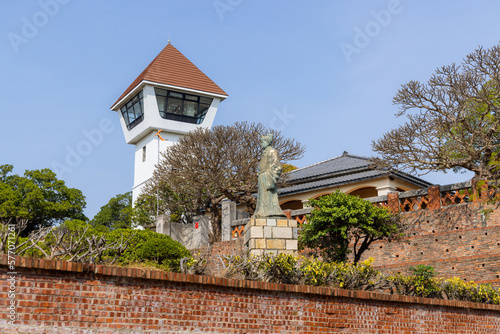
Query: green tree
x=117 y=213
x=339 y=219
x=38 y=197
x=453 y=120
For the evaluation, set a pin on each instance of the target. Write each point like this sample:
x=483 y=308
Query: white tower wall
x=170 y=71
x=147 y=155
x=143 y=134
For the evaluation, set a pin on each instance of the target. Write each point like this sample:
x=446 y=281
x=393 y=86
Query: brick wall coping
x=455 y=186
x=239 y=222
x=377 y=199
x=74 y=267
x=425 y=191
x=413 y=193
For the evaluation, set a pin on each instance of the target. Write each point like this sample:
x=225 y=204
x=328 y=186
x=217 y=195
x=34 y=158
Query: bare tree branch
x=207 y=166
x=453 y=120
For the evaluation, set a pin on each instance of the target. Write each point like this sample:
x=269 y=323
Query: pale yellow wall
x=381 y=183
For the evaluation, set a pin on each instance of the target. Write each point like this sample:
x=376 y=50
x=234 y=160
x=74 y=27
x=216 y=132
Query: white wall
x=143 y=170
x=143 y=135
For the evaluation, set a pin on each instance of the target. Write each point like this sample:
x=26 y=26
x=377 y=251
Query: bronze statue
x=270 y=169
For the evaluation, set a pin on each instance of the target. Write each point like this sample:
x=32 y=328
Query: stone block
x=259 y=243
x=291 y=245
x=275 y=243
x=251 y=222
x=295 y=233
x=271 y=222
x=246 y=236
x=271 y=251
x=260 y=222
x=254 y=232
x=282 y=232
x=268 y=232
x=292 y=223
x=282 y=222
x=250 y=244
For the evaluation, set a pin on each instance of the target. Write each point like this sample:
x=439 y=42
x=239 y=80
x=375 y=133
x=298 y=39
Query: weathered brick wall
x=461 y=240
x=217 y=253
x=60 y=297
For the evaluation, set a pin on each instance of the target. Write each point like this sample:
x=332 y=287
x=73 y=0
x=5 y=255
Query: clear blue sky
x=281 y=62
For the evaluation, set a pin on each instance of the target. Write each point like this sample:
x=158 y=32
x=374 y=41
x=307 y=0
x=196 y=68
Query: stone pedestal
x=271 y=236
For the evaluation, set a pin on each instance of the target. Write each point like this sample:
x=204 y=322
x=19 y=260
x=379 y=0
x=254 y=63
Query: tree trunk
x=215 y=220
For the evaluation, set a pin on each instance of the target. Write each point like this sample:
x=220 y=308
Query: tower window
x=143 y=153
x=182 y=107
x=133 y=111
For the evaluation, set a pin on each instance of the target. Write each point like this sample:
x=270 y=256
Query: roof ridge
x=316 y=163
x=357 y=156
x=344 y=154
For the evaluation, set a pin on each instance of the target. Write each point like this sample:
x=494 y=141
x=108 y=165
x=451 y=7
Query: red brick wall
x=460 y=240
x=61 y=297
x=217 y=252
x=456 y=240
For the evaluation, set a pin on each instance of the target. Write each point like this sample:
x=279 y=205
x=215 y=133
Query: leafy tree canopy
x=339 y=219
x=453 y=119
x=38 y=197
x=117 y=213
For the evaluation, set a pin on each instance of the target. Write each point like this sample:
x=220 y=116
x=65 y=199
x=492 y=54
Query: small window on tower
x=143 y=153
x=133 y=111
x=182 y=107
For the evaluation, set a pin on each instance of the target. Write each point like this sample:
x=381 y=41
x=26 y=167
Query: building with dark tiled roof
x=352 y=174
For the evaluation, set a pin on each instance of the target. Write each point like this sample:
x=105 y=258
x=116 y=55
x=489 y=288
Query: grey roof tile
x=339 y=164
x=343 y=169
x=330 y=182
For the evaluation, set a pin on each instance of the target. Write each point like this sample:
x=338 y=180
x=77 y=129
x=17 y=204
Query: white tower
x=171 y=96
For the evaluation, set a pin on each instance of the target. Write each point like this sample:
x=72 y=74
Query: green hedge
x=150 y=248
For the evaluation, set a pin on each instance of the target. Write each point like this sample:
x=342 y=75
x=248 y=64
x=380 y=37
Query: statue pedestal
x=271 y=236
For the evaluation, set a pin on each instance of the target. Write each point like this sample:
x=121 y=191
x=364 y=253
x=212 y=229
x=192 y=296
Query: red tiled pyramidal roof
x=171 y=67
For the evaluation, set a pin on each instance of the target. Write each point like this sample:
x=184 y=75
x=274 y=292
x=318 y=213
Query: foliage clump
x=151 y=248
x=116 y=214
x=38 y=197
x=339 y=219
x=421 y=283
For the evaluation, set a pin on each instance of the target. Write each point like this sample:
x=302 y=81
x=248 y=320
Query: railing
x=238 y=227
x=434 y=197
x=457 y=193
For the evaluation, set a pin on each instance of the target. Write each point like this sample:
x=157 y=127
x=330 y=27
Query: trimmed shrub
x=152 y=248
